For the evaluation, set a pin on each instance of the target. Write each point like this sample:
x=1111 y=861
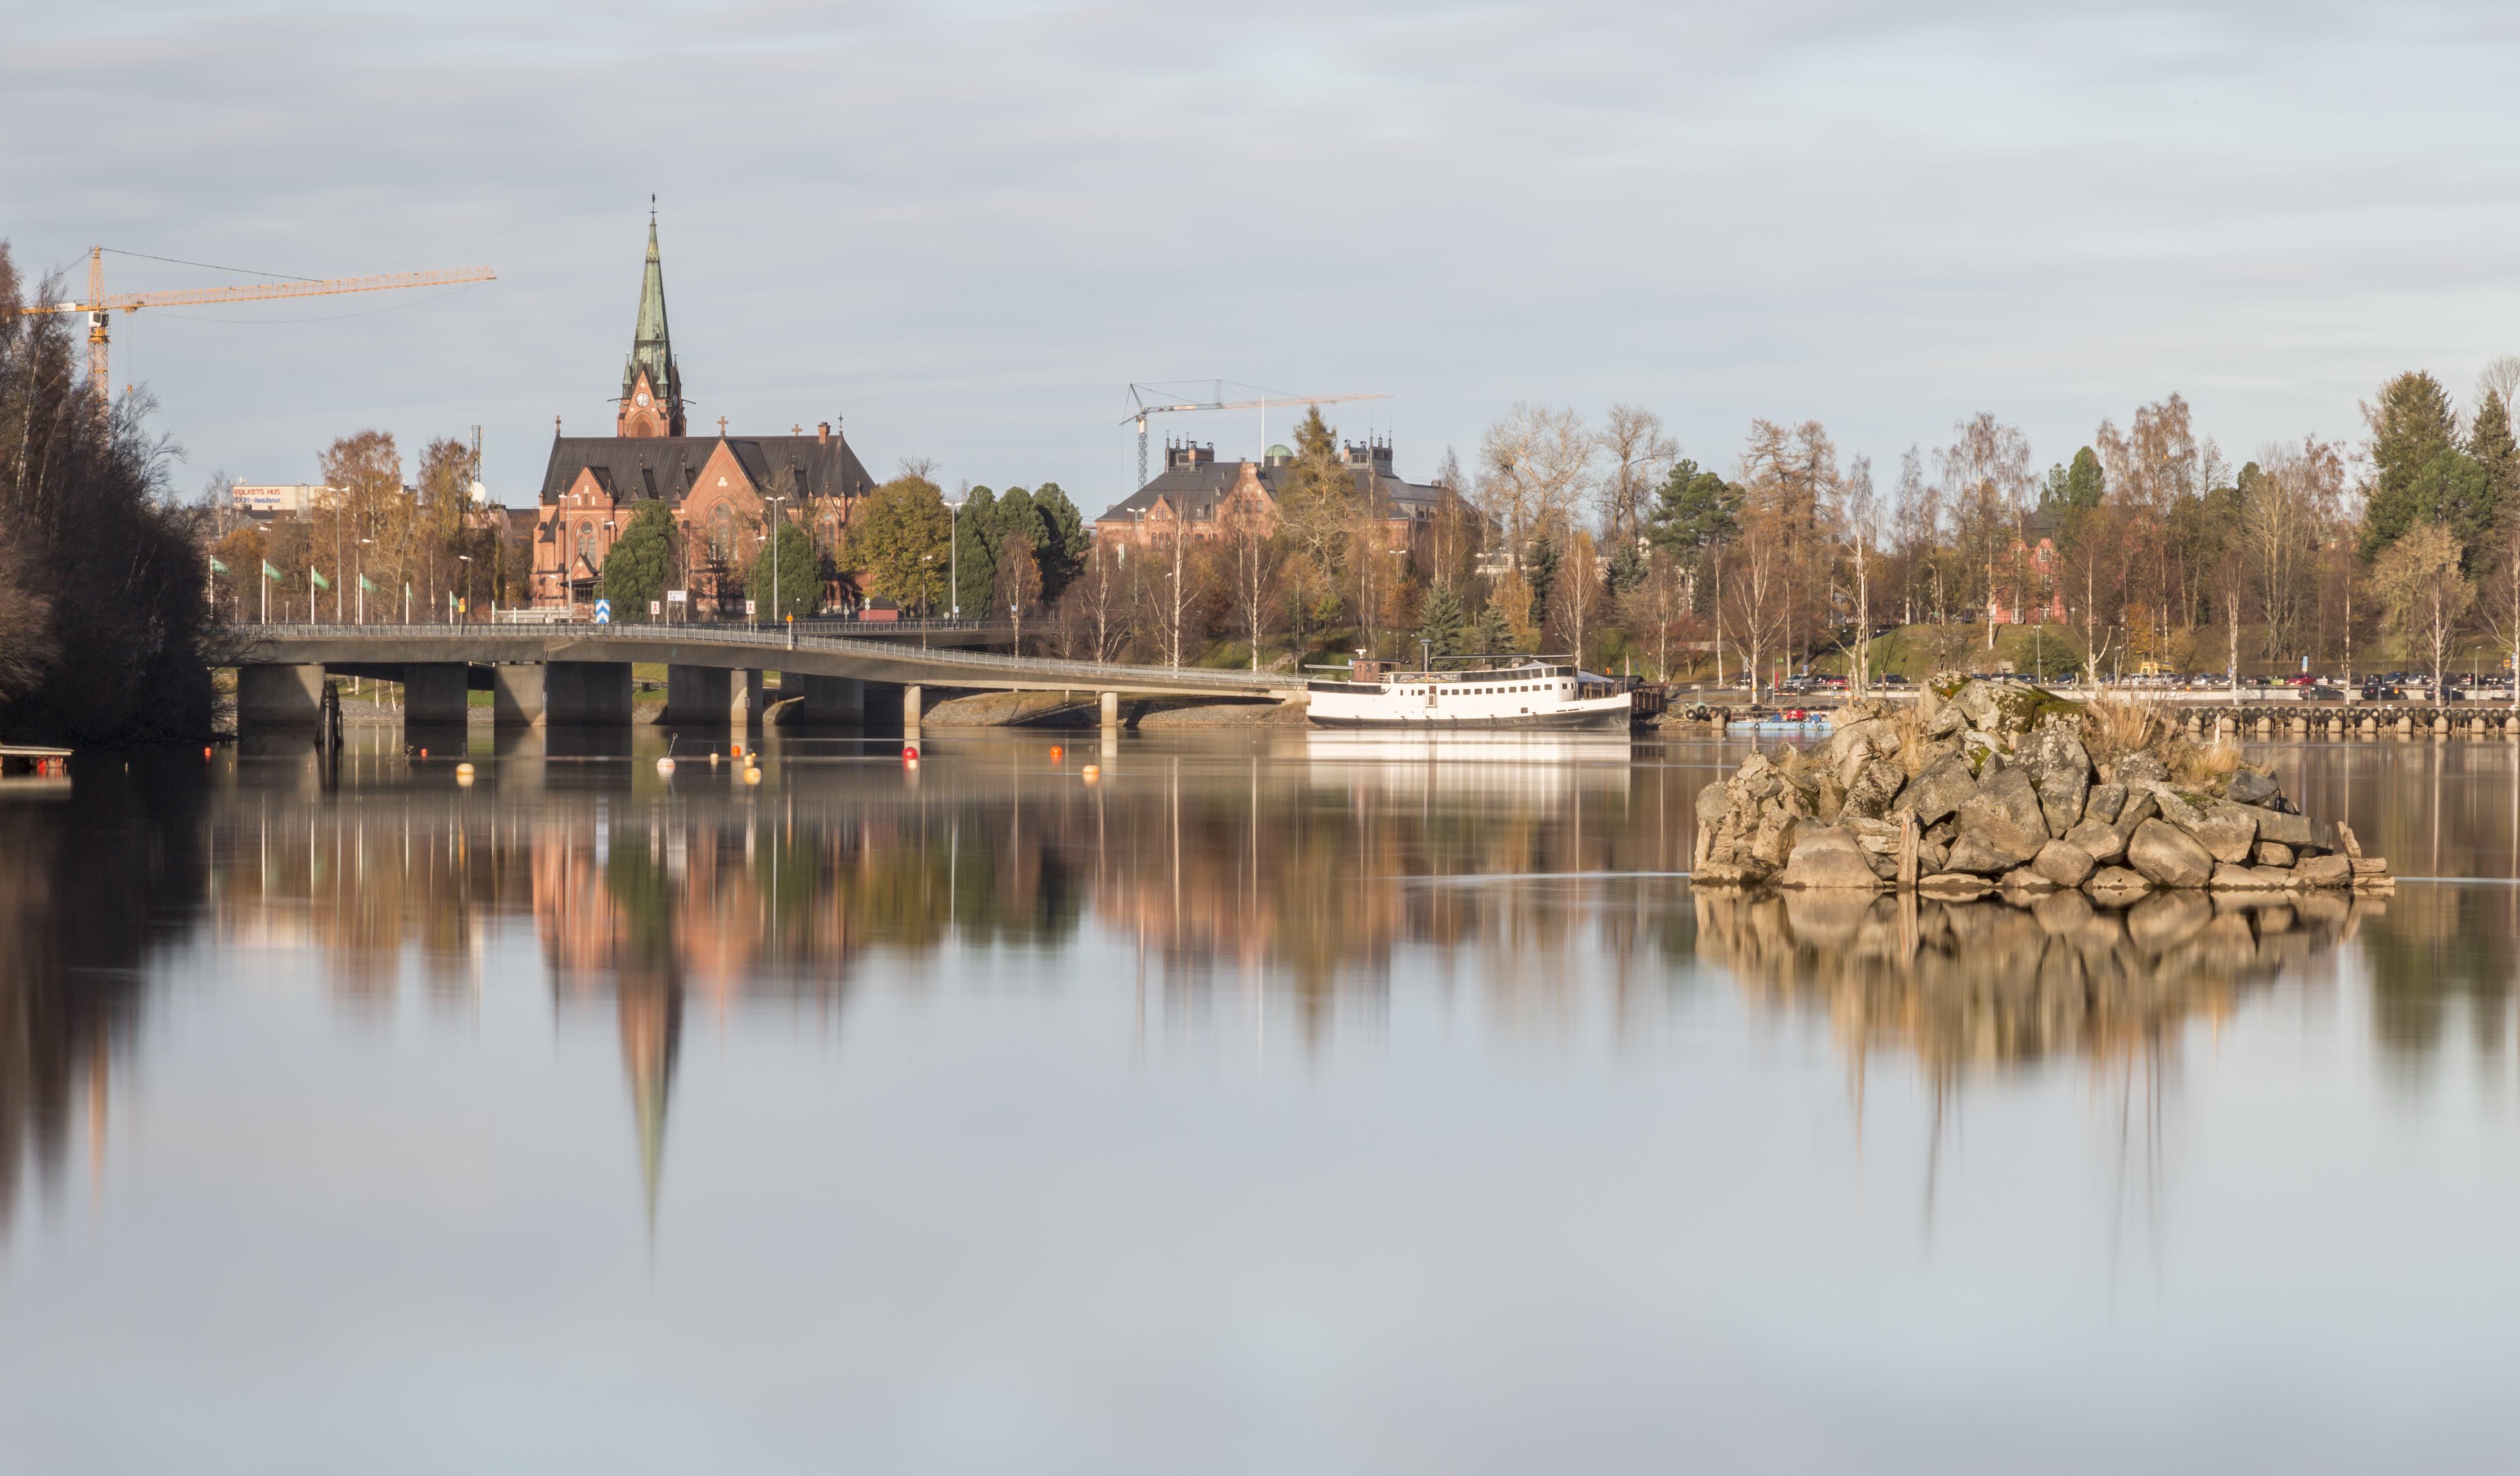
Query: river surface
x=1241 y=1103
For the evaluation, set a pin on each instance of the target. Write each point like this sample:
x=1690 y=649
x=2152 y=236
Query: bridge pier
x=436 y=692
x=278 y=697
x=586 y=693
x=836 y=701
x=517 y=695
x=1110 y=710
x=910 y=709
x=711 y=694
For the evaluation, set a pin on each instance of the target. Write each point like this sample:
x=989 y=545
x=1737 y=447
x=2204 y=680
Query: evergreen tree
x=641 y=559
x=1693 y=511
x=975 y=553
x=789 y=561
x=1063 y=544
x=1627 y=567
x=1443 y=623
x=2413 y=427
x=2491 y=446
x=1540 y=570
x=1492 y=633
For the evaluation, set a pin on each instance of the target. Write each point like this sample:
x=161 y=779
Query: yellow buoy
x=752 y=776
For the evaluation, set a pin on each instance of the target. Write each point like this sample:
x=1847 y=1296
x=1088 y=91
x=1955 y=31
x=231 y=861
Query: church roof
x=638 y=467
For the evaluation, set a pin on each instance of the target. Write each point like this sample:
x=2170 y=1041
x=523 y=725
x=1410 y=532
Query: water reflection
x=1991 y=984
x=1314 y=868
x=88 y=878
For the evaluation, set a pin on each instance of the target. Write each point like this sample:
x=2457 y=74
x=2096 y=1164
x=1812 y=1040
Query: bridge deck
x=731 y=648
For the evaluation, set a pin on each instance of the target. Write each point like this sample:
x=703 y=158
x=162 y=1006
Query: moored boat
x=1513 y=692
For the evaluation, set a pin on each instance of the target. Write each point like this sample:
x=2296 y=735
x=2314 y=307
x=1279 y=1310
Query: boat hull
x=1552 y=721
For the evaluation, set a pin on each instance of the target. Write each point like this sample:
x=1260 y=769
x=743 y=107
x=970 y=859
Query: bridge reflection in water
x=1297 y=873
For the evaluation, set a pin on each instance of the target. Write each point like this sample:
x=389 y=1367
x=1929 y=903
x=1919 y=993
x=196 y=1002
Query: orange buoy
x=739 y=749
x=1057 y=753
x=910 y=753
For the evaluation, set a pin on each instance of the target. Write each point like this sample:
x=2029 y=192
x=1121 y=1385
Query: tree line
x=2148 y=547
x=102 y=618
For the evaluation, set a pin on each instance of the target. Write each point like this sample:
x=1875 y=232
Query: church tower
x=652 y=385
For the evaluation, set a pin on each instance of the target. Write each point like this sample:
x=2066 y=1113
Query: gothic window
x=586 y=543
x=722 y=533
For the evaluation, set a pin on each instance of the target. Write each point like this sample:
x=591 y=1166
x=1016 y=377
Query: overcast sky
x=967 y=228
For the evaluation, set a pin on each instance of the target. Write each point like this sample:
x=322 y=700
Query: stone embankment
x=1986 y=785
x=2351 y=720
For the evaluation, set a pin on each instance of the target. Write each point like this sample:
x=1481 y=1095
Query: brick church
x=722 y=490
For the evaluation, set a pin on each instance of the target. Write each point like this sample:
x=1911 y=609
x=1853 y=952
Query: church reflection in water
x=1543 y=879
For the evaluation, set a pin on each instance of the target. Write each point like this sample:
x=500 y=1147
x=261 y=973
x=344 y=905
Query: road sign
x=604 y=612
x=750 y=609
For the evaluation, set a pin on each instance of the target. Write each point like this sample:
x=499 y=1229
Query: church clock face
x=643 y=397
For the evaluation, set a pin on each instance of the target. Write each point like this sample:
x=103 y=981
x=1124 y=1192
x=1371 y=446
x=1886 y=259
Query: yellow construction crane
x=100 y=308
x=1217 y=401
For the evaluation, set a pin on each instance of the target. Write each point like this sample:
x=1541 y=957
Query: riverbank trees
x=103 y=605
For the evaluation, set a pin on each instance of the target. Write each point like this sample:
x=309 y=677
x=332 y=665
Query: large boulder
x=1977 y=859
x=1938 y=792
x=1714 y=802
x=2060 y=771
x=2239 y=878
x=1774 y=839
x=2117 y=884
x=2005 y=817
x=1875 y=786
x=2103 y=802
x=2227 y=829
x=1857 y=742
x=2299 y=832
x=2101 y=842
x=2168 y=856
x=2250 y=787
x=2064 y=863
x=1879 y=842
x=2324 y=872
x=2138 y=770
x=1825 y=856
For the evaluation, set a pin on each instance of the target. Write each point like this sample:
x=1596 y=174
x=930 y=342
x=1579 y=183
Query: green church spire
x=652 y=349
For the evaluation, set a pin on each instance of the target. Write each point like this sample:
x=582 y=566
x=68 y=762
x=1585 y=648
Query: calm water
x=1263 y=1103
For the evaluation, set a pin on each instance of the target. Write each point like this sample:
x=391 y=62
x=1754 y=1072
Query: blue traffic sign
x=604 y=612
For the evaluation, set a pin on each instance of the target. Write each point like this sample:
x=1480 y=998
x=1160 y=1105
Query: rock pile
x=1986 y=786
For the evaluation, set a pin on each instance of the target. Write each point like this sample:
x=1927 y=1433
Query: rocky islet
x=1989 y=786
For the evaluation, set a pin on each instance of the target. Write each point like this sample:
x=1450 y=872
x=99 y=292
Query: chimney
x=823 y=432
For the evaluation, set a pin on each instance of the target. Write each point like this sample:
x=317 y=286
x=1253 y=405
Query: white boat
x=1530 y=693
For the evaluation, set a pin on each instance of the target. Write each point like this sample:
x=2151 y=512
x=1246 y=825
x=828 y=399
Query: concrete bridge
x=557 y=675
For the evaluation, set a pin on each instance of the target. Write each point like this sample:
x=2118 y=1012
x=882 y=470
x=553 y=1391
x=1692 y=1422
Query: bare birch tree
x=1638 y=450
x=1987 y=470
x=1535 y=467
x=2418 y=583
x=1861 y=523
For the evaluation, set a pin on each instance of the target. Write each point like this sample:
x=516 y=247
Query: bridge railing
x=1086 y=675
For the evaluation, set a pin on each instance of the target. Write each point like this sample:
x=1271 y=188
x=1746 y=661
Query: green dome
x=1275 y=452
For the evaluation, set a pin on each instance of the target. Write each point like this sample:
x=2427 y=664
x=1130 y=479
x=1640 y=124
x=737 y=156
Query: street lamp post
x=778 y=526
x=363 y=581
x=467 y=561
